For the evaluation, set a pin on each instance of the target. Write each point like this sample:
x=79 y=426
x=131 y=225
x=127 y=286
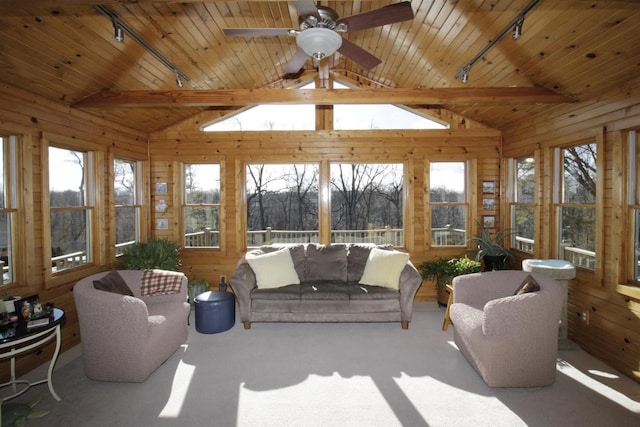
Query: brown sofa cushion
x=113 y=282
x=529 y=284
x=326 y=263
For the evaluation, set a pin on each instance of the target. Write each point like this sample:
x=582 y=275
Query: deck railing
x=448 y=236
x=71 y=260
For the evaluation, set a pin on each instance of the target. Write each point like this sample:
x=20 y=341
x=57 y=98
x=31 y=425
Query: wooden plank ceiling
x=65 y=50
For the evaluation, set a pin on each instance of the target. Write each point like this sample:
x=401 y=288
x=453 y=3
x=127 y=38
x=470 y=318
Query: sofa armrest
x=409 y=283
x=242 y=282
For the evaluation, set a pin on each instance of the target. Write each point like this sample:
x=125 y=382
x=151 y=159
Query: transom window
x=522 y=175
x=448 y=203
x=576 y=199
x=70 y=208
x=201 y=205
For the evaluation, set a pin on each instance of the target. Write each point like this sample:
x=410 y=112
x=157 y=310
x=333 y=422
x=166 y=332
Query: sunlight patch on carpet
x=179 y=388
x=327 y=400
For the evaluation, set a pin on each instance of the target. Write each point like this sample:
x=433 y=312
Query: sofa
x=125 y=335
x=506 y=325
x=325 y=283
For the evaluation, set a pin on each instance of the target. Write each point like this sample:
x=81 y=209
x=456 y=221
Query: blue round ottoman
x=215 y=312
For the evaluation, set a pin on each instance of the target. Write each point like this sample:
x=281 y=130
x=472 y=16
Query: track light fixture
x=120 y=28
x=515 y=25
x=517 y=29
x=118 y=33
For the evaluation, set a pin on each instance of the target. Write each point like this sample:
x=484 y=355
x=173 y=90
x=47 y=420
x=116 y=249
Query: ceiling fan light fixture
x=179 y=81
x=319 y=42
x=118 y=33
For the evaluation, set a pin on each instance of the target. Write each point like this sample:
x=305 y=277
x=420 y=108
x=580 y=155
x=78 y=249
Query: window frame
x=468 y=167
x=597 y=205
x=184 y=205
x=514 y=203
x=12 y=203
x=137 y=203
x=97 y=186
x=632 y=268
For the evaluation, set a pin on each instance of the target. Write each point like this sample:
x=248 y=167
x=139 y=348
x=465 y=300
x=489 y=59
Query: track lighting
x=517 y=29
x=118 y=33
x=515 y=26
x=120 y=28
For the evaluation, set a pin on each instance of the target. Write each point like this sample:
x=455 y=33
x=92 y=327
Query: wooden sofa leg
x=247 y=325
x=405 y=324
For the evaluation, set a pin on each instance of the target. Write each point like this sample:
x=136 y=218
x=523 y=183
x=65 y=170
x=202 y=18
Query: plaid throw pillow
x=160 y=282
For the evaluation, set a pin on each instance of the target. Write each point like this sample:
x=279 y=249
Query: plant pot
x=443 y=296
x=493 y=262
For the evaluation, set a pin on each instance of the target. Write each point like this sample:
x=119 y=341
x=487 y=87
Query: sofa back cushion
x=326 y=263
x=357 y=259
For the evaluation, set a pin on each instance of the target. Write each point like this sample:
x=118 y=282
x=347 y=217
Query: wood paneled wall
x=34 y=119
x=612 y=332
x=481 y=146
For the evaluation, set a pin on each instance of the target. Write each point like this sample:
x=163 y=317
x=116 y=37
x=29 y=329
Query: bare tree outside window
x=577 y=205
x=69 y=211
x=522 y=198
x=282 y=203
x=201 y=207
x=367 y=203
x=127 y=206
x=448 y=202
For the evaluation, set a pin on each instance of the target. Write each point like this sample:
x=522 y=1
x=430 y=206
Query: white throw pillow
x=273 y=269
x=383 y=268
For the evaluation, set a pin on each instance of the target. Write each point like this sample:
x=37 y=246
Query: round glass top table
x=16 y=339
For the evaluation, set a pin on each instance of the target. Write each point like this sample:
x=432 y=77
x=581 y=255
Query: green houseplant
x=154 y=253
x=489 y=247
x=443 y=270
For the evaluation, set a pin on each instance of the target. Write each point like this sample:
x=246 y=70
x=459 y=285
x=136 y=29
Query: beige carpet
x=335 y=375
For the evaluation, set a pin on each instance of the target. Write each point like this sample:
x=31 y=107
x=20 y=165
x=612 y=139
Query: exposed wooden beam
x=208 y=98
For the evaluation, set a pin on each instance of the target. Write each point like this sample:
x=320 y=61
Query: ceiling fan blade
x=296 y=63
x=306 y=8
x=358 y=54
x=255 y=32
x=391 y=14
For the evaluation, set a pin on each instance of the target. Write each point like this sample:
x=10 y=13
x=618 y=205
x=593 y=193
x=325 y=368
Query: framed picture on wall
x=488 y=187
x=161 y=188
x=489 y=204
x=489 y=221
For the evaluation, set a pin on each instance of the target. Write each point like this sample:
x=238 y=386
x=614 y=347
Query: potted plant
x=155 y=253
x=489 y=248
x=443 y=270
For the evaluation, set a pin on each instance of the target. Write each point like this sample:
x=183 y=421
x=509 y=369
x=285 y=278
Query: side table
x=16 y=339
x=447 y=319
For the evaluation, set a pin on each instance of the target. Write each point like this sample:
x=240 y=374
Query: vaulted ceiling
x=65 y=50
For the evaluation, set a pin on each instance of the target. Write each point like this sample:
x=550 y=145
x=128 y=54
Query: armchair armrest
x=522 y=315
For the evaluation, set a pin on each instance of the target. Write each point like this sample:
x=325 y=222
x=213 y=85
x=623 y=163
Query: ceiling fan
x=321 y=28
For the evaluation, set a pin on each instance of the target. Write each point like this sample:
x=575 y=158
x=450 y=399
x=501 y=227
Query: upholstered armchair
x=510 y=340
x=125 y=338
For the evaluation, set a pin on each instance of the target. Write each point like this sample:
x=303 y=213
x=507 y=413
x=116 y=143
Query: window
x=70 y=208
x=522 y=198
x=127 y=204
x=576 y=198
x=448 y=202
x=367 y=203
x=634 y=202
x=282 y=203
x=201 y=207
x=7 y=206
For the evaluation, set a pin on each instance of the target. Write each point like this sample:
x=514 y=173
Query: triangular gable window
x=302 y=117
